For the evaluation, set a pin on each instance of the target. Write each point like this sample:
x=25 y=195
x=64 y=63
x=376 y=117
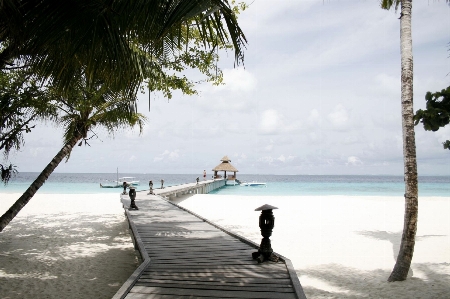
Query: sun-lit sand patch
x=344 y=246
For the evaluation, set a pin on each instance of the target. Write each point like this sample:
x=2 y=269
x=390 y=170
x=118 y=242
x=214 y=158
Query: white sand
x=78 y=246
x=345 y=247
x=65 y=246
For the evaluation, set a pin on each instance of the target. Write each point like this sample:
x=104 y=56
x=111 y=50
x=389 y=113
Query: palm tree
x=101 y=36
x=89 y=106
x=405 y=255
x=404 y=258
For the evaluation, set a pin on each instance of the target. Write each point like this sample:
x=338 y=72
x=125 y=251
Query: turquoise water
x=69 y=183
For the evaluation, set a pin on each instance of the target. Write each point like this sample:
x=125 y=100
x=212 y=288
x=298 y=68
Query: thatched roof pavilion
x=225 y=166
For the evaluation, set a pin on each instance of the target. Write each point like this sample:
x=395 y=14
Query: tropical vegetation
x=437 y=112
x=89 y=106
x=123 y=44
x=85 y=60
x=112 y=40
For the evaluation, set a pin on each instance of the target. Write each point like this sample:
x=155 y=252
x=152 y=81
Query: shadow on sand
x=345 y=282
x=65 y=256
x=353 y=283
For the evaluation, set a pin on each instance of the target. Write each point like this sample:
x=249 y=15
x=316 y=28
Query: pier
x=187 y=256
x=202 y=187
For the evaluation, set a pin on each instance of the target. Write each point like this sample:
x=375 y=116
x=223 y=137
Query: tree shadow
x=337 y=281
x=65 y=255
x=395 y=240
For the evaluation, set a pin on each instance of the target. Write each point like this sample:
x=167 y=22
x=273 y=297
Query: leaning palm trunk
x=38 y=182
x=405 y=255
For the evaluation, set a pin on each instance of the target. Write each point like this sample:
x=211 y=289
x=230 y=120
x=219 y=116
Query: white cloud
x=238 y=79
x=241 y=158
x=266 y=159
x=387 y=82
x=339 y=117
x=274 y=122
x=168 y=155
x=443 y=134
x=351 y=139
x=283 y=159
x=353 y=160
x=157 y=159
x=268 y=148
x=233 y=95
x=314 y=119
x=270 y=122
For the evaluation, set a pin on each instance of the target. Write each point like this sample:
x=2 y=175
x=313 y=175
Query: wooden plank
x=216 y=273
x=215 y=278
x=212 y=293
x=188 y=242
x=215 y=264
x=218 y=286
x=235 y=261
x=199 y=251
x=159 y=296
x=192 y=250
x=164 y=244
x=211 y=272
x=188 y=239
x=169 y=231
x=203 y=257
x=280 y=282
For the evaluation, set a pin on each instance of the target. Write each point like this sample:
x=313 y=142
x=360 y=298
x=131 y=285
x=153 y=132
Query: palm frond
x=387 y=4
x=96 y=35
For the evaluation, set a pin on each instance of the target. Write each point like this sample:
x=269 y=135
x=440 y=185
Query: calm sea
x=275 y=184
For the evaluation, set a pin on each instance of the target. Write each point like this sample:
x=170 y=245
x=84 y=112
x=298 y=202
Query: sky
x=319 y=94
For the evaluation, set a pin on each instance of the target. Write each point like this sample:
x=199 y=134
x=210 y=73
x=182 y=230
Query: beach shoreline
x=340 y=246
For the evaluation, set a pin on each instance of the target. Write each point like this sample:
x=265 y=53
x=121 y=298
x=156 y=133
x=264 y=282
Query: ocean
x=279 y=185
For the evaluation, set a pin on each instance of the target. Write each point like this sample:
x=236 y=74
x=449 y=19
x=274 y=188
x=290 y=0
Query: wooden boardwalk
x=202 y=187
x=186 y=256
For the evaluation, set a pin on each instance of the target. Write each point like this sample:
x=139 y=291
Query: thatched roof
x=225 y=159
x=225 y=165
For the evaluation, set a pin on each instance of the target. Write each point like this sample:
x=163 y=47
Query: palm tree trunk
x=38 y=182
x=405 y=255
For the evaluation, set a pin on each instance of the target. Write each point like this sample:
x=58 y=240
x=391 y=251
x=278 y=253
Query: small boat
x=250 y=184
x=131 y=181
x=115 y=185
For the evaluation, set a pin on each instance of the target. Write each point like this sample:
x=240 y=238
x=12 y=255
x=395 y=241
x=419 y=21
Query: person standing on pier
x=204 y=175
x=150 y=184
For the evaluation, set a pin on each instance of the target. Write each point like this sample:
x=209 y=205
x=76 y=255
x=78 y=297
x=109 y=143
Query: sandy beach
x=78 y=246
x=342 y=246
x=65 y=246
